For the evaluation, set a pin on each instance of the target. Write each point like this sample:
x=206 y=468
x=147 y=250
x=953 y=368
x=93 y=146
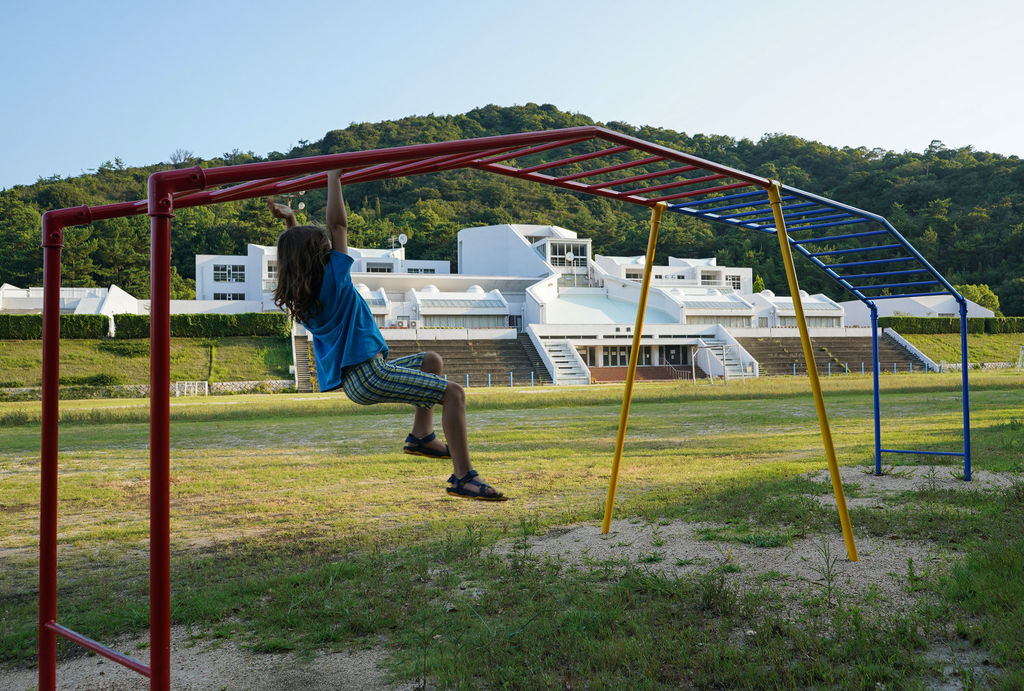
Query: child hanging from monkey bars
x=314 y=285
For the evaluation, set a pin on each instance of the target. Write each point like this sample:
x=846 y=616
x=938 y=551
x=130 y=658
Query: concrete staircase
x=303 y=381
x=540 y=370
x=726 y=354
x=567 y=369
x=486 y=362
x=778 y=356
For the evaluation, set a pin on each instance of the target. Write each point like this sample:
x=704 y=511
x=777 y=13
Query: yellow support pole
x=634 y=354
x=775 y=198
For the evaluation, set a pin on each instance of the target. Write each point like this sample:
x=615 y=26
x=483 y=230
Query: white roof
x=598 y=309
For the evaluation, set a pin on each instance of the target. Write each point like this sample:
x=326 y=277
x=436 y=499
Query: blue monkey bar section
x=870 y=264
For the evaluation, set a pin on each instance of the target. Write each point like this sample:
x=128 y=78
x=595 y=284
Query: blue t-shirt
x=344 y=331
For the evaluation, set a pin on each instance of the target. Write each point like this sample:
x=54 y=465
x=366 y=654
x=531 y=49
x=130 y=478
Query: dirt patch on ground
x=802 y=565
x=869 y=490
x=202 y=666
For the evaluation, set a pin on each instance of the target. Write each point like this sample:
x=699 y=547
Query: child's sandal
x=459 y=490
x=418 y=447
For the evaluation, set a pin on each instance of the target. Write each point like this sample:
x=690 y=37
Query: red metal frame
x=197 y=187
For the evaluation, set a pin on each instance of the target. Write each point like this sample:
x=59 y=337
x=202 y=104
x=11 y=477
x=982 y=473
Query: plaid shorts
x=393 y=381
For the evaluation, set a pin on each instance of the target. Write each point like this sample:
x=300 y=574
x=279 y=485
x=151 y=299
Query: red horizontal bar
x=357 y=161
x=697 y=193
x=610 y=169
x=317 y=164
x=670 y=185
x=645 y=176
x=674 y=155
x=238 y=191
x=370 y=171
x=440 y=163
x=577 y=159
x=554 y=182
x=99 y=649
x=523 y=153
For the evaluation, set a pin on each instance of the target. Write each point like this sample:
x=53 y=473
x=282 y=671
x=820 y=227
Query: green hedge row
x=28 y=327
x=207 y=325
x=1004 y=325
x=951 y=325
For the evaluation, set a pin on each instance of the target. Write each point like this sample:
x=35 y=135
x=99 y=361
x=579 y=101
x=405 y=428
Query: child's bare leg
x=453 y=420
x=423 y=418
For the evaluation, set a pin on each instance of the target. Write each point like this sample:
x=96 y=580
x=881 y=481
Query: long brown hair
x=302 y=254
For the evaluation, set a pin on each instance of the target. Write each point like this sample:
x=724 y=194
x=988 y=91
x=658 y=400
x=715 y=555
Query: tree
x=758 y=284
x=21 y=258
x=180 y=157
x=182 y=288
x=982 y=295
x=1011 y=296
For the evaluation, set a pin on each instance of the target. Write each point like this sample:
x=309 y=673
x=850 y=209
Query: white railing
x=909 y=347
x=191 y=388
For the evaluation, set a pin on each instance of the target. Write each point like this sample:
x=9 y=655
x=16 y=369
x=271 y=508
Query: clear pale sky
x=85 y=82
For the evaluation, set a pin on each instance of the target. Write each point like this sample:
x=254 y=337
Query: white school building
x=577 y=308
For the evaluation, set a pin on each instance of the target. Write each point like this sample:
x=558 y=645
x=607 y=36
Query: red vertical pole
x=161 y=212
x=53 y=241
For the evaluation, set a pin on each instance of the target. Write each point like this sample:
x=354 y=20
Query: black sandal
x=418 y=447
x=459 y=490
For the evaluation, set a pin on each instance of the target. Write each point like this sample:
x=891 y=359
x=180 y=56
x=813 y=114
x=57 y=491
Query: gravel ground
x=201 y=666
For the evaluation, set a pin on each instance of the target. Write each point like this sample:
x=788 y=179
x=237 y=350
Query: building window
x=229 y=273
x=272 y=271
x=558 y=251
x=812 y=322
x=708 y=278
x=515 y=321
x=589 y=355
x=734 y=282
x=670 y=355
x=378 y=268
x=420 y=271
x=615 y=356
x=762 y=322
x=464 y=321
x=725 y=320
x=229 y=296
x=634 y=276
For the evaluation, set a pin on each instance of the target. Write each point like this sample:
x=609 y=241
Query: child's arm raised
x=337 y=219
x=283 y=212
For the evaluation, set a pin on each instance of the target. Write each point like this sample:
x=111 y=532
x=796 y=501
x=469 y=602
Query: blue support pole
x=874 y=369
x=488 y=379
x=531 y=379
x=794 y=369
x=963 y=379
x=467 y=380
x=830 y=368
x=510 y=378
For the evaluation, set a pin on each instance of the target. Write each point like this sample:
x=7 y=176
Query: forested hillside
x=962 y=208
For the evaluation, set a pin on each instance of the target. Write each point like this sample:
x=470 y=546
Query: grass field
x=297 y=524
x=215 y=359
x=980 y=347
